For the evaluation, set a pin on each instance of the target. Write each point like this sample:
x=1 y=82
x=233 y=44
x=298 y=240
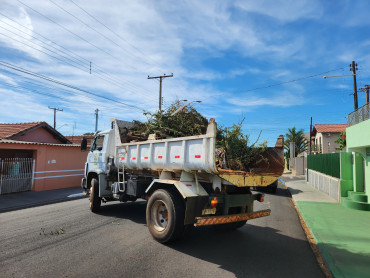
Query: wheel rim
x=159 y=215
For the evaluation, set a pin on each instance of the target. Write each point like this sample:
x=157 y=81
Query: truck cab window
x=98 y=143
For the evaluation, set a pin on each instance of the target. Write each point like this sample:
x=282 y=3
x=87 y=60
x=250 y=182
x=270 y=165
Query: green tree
x=187 y=122
x=341 y=141
x=297 y=137
x=240 y=155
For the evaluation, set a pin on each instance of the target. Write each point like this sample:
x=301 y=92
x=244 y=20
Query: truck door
x=97 y=155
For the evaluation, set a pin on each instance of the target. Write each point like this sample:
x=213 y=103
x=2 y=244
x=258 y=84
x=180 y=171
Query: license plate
x=209 y=211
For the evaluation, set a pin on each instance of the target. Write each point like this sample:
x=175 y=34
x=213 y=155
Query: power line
x=97 y=20
x=50 y=86
x=287 y=82
x=88 y=26
x=56 y=48
x=56 y=57
x=65 y=84
x=65 y=100
x=59 y=59
x=97 y=47
x=87 y=69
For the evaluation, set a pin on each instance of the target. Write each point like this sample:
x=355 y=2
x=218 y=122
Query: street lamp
x=338 y=75
x=61 y=126
x=182 y=107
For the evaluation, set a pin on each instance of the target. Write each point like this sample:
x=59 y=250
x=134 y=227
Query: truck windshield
x=98 y=143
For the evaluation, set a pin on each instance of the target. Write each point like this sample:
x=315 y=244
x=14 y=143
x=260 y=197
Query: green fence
x=328 y=164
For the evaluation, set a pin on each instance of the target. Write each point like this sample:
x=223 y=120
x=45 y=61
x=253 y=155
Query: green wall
x=358 y=135
x=346 y=173
x=358 y=141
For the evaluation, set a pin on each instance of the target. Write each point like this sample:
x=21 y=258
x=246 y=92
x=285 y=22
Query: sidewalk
x=21 y=200
x=342 y=234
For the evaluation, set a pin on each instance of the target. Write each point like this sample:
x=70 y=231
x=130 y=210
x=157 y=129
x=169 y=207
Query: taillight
x=214 y=202
x=261 y=197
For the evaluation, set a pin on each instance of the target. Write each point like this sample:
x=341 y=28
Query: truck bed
x=195 y=153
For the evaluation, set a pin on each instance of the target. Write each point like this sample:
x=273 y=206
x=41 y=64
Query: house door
x=16 y=174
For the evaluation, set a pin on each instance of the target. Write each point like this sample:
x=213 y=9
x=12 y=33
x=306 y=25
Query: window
x=98 y=143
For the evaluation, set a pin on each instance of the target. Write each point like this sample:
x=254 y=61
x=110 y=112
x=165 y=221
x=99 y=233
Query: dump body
x=196 y=153
x=193 y=153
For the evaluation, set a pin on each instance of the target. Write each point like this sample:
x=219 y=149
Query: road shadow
x=251 y=251
x=294 y=191
x=134 y=211
x=279 y=191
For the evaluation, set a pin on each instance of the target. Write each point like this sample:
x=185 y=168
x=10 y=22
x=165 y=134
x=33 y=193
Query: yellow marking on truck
x=215 y=220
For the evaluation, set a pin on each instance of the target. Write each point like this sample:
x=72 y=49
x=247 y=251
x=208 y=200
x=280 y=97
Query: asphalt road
x=67 y=240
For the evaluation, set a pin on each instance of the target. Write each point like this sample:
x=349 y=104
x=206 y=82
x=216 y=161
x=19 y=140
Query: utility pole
x=55 y=112
x=366 y=89
x=160 y=86
x=96 y=119
x=353 y=68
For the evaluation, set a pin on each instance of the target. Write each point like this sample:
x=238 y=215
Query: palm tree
x=298 y=138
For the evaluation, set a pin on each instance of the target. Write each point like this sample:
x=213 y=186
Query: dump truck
x=177 y=176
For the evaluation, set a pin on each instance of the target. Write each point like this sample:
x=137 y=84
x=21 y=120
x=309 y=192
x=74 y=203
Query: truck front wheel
x=165 y=214
x=95 y=200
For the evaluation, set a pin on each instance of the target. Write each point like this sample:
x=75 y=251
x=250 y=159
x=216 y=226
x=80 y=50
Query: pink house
x=35 y=156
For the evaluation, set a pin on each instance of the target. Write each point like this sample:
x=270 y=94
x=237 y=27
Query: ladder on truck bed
x=121 y=177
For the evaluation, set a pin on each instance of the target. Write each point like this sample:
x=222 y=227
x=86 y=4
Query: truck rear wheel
x=165 y=214
x=94 y=200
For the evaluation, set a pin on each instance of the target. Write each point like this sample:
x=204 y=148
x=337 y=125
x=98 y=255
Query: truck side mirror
x=83 y=144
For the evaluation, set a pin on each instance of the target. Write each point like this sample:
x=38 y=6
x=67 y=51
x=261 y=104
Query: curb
x=311 y=240
x=39 y=204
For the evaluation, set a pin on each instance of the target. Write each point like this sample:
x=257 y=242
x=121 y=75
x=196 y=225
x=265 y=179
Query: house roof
x=76 y=139
x=7 y=141
x=333 y=128
x=11 y=130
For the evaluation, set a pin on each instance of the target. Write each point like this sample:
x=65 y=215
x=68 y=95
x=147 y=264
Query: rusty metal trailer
x=177 y=176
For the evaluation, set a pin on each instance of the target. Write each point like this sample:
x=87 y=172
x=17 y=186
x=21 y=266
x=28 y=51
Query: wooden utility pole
x=353 y=68
x=366 y=89
x=160 y=86
x=55 y=112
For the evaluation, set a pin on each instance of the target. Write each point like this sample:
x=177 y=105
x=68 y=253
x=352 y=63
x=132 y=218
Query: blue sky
x=224 y=53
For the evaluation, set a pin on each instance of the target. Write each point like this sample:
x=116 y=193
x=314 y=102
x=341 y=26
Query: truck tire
x=165 y=214
x=94 y=200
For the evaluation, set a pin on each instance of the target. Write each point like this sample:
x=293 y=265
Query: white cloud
x=17 y=32
x=8 y=79
x=284 y=10
x=279 y=99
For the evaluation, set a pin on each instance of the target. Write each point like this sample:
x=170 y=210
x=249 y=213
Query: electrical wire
x=66 y=85
x=66 y=29
x=285 y=82
x=133 y=86
x=27 y=80
x=123 y=39
x=88 y=26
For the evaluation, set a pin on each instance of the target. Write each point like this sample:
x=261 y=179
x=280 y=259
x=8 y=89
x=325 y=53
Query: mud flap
x=194 y=207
